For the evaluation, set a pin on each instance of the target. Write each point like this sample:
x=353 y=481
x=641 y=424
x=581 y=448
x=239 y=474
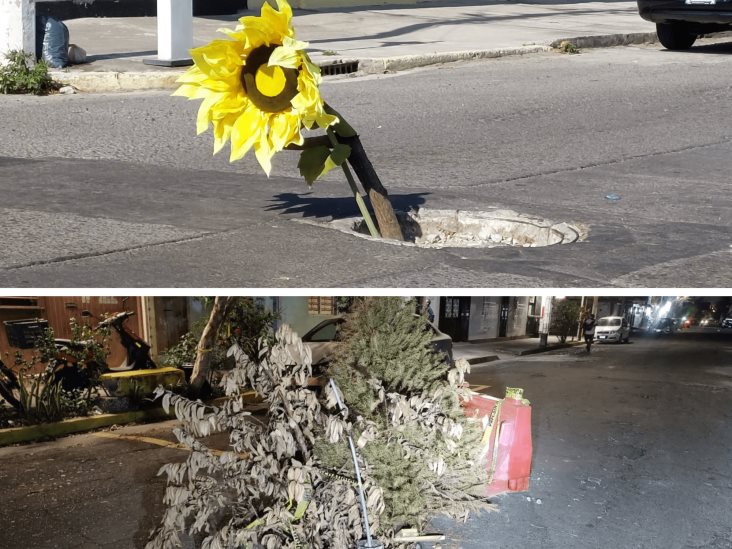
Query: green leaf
x=339 y=154
x=317 y=161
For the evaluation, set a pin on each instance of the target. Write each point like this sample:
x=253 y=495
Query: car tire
x=675 y=36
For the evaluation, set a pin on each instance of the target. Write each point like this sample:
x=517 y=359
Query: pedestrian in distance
x=430 y=312
x=588 y=328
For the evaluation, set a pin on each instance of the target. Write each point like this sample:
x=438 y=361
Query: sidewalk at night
x=488 y=351
x=385 y=38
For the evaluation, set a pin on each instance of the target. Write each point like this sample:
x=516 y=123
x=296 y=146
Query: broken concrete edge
x=45 y=431
x=608 y=40
x=110 y=81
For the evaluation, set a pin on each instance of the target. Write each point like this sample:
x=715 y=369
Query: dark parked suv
x=680 y=22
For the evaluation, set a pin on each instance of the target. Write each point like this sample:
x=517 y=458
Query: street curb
x=32 y=433
x=110 y=81
x=550 y=348
x=406 y=62
x=482 y=359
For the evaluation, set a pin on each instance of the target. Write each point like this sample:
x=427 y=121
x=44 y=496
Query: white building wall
x=484 y=317
x=517 y=315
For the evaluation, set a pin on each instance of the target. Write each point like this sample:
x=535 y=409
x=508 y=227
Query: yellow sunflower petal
x=192 y=76
x=190 y=91
x=264 y=153
x=291 y=42
x=286 y=57
x=277 y=21
x=283 y=130
x=219 y=59
x=245 y=131
x=234 y=34
x=222 y=132
x=204 y=112
x=236 y=118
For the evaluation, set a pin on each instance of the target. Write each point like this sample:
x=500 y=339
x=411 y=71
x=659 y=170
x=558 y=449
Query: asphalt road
x=632 y=448
x=116 y=190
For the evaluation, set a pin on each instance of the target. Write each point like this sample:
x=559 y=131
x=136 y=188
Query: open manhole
x=473 y=229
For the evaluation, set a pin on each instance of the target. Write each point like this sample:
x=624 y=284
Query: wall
x=59 y=310
x=294 y=311
x=517 y=315
x=484 y=317
x=169 y=317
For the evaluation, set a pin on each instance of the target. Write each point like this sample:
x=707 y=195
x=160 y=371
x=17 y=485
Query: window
x=452 y=307
x=321 y=305
x=329 y=332
x=608 y=322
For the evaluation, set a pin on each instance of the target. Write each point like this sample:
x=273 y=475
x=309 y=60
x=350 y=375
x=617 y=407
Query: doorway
x=503 y=319
x=455 y=317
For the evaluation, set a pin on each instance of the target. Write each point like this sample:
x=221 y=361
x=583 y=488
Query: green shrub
x=565 y=317
x=20 y=75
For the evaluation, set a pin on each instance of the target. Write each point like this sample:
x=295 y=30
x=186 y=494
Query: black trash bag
x=55 y=49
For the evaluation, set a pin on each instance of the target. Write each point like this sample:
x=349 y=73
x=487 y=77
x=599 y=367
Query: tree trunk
x=202 y=366
x=385 y=216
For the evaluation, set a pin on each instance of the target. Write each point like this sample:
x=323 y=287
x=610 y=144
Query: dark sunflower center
x=270 y=88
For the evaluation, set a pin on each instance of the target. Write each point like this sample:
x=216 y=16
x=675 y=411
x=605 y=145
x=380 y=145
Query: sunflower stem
x=364 y=170
x=356 y=194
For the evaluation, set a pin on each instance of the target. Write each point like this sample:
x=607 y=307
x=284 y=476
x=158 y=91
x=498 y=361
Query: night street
x=632 y=448
x=631 y=143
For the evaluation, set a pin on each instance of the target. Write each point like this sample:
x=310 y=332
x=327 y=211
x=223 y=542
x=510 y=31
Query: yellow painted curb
x=141 y=382
x=162 y=442
x=31 y=433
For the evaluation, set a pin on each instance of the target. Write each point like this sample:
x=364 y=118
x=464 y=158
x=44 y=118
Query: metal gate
x=455 y=317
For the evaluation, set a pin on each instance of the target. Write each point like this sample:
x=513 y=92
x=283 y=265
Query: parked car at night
x=664 y=326
x=680 y=22
x=727 y=322
x=612 y=328
x=323 y=337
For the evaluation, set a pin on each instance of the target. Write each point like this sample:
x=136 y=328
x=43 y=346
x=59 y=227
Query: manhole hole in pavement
x=427 y=228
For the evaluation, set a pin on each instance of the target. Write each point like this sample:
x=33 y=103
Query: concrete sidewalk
x=488 y=351
x=379 y=39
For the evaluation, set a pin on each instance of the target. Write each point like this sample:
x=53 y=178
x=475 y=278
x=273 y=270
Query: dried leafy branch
x=286 y=479
x=267 y=489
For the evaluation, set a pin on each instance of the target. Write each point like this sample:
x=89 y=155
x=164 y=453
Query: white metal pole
x=546 y=320
x=17 y=27
x=175 y=33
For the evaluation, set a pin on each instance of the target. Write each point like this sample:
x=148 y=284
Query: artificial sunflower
x=259 y=88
